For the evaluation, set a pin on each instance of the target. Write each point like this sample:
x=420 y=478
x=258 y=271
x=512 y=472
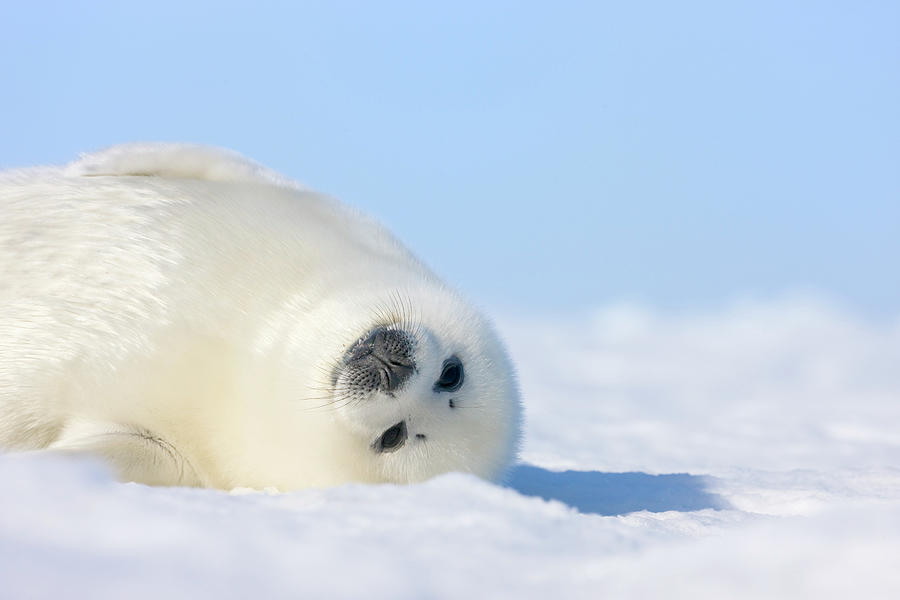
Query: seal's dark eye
x=392 y=439
x=451 y=376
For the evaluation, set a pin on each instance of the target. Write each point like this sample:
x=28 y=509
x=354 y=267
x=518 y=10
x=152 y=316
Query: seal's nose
x=393 y=349
x=386 y=353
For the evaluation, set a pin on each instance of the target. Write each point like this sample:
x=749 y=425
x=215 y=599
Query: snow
x=747 y=452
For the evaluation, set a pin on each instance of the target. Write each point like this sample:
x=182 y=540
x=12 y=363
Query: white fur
x=178 y=310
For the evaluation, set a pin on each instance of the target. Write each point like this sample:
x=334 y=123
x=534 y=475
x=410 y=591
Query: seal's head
x=427 y=388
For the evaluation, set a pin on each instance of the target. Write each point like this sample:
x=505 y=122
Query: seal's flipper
x=135 y=454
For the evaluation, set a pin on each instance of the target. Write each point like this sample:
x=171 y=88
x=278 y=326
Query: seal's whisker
x=335 y=404
x=312 y=398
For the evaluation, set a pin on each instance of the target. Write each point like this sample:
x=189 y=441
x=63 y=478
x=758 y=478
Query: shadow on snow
x=612 y=494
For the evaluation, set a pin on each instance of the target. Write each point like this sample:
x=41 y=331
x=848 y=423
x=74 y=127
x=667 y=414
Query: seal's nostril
x=372 y=338
x=386 y=355
x=392 y=345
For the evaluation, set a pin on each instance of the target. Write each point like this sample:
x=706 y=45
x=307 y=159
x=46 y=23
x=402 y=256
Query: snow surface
x=751 y=452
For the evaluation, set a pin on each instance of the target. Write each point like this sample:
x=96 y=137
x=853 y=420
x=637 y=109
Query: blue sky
x=540 y=155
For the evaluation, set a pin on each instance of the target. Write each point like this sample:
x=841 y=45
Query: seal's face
x=427 y=400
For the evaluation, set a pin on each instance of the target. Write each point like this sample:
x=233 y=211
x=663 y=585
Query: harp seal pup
x=196 y=319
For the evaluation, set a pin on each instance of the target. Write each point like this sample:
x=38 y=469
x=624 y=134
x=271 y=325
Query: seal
x=196 y=319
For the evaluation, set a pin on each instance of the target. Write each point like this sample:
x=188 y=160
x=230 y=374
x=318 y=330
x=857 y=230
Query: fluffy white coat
x=179 y=311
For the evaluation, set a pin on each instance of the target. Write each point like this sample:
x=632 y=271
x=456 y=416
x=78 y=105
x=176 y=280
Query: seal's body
x=198 y=320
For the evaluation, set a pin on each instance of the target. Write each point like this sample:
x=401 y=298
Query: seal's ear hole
x=452 y=376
